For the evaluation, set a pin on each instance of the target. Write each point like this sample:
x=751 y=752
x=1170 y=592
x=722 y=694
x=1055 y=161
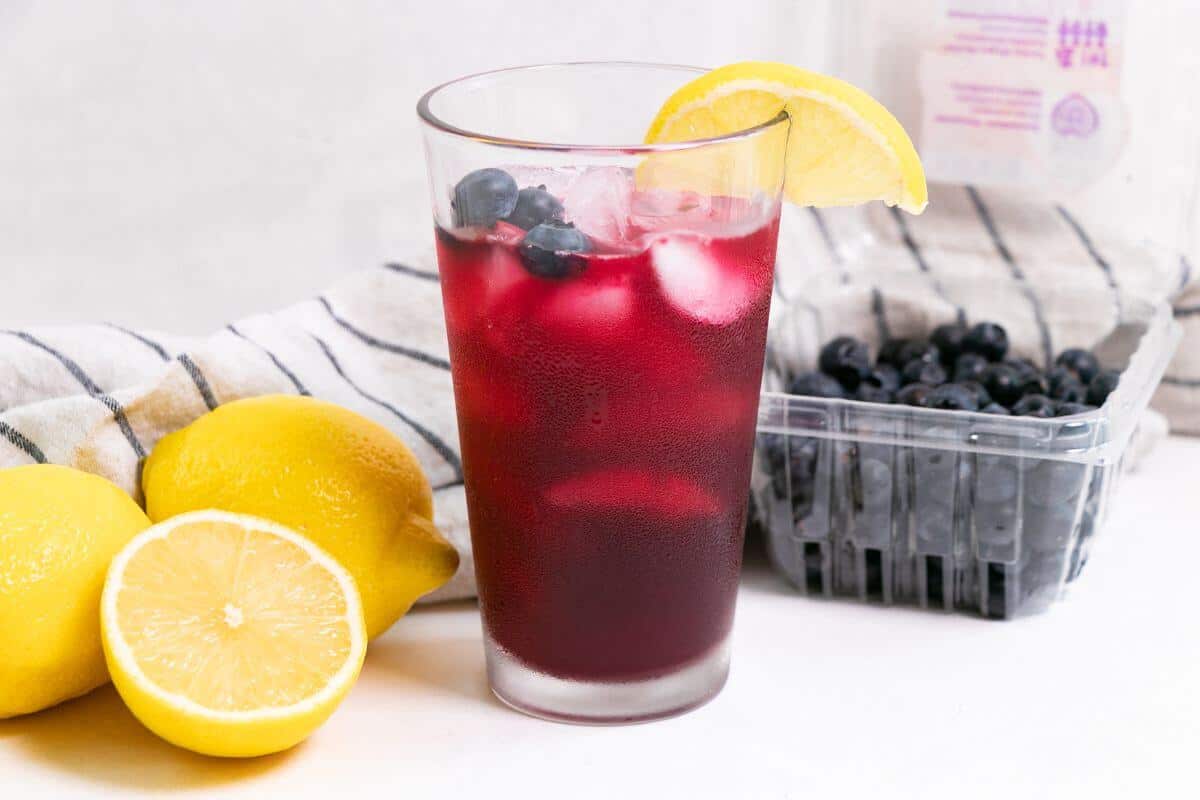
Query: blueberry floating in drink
x=547 y=250
x=534 y=206
x=484 y=197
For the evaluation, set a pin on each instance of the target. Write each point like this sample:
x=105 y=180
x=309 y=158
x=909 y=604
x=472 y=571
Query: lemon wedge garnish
x=844 y=147
x=230 y=635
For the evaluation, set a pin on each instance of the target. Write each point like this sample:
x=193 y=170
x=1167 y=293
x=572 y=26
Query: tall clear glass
x=606 y=303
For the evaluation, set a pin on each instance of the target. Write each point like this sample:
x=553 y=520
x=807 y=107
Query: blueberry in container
x=948 y=508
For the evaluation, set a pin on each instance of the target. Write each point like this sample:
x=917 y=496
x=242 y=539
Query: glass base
x=595 y=703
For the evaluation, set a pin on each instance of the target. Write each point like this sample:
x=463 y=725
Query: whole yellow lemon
x=347 y=483
x=59 y=529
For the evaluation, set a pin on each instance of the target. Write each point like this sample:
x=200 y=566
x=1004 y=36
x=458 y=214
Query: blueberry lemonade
x=606 y=306
x=608 y=371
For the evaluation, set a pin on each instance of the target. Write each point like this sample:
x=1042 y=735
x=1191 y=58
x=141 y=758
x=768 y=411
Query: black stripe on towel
x=877 y=309
x=1189 y=383
x=1088 y=245
x=202 y=384
x=390 y=347
x=909 y=242
x=830 y=244
x=122 y=421
x=405 y=269
x=153 y=345
x=429 y=436
x=835 y=255
x=301 y=389
x=776 y=289
x=21 y=442
x=1186 y=311
x=92 y=388
x=914 y=250
x=1002 y=250
x=881 y=325
x=76 y=371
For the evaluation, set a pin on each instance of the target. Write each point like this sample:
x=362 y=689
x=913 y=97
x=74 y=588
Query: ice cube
x=598 y=202
x=588 y=310
x=483 y=291
x=636 y=490
x=555 y=180
x=699 y=285
x=501 y=272
x=663 y=210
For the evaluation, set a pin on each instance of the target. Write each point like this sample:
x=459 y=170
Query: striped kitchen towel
x=1052 y=278
x=99 y=397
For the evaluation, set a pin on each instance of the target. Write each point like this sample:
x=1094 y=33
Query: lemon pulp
x=230 y=635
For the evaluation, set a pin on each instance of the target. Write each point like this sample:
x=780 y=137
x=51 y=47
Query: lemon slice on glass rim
x=844 y=148
x=230 y=635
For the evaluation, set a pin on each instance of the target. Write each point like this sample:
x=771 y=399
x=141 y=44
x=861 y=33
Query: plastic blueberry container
x=948 y=510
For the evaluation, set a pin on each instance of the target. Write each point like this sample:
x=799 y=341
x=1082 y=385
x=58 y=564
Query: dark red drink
x=607 y=400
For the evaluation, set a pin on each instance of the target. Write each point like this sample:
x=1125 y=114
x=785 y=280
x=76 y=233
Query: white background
x=177 y=165
x=828 y=700
x=181 y=164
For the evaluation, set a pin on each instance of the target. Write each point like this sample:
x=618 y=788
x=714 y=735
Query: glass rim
x=432 y=120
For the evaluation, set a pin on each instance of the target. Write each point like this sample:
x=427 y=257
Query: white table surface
x=1100 y=697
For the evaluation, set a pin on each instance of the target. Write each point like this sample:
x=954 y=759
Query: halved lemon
x=230 y=635
x=844 y=147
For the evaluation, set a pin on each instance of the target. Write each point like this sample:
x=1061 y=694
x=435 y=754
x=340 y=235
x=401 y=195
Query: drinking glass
x=606 y=303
